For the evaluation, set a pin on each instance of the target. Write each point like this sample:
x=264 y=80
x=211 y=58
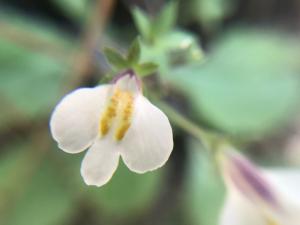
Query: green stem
x=206 y=138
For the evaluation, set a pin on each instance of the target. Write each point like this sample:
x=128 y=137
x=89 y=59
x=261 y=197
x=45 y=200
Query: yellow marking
x=109 y=113
x=271 y=221
x=125 y=117
x=121 y=106
x=120 y=133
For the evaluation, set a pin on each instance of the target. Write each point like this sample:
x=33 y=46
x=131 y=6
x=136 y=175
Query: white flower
x=258 y=196
x=112 y=120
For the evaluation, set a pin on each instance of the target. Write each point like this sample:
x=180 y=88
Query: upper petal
x=148 y=142
x=128 y=81
x=74 y=121
x=100 y=162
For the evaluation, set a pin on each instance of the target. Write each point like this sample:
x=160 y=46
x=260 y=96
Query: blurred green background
x=231 y=66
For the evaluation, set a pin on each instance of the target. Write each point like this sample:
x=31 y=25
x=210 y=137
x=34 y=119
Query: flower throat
x=270 y=221
x=119 y=108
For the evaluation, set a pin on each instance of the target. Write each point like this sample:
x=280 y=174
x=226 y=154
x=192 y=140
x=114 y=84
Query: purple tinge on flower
x=249 y=180
x=131 y=75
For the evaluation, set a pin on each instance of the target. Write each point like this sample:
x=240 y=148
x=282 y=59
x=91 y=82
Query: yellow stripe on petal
x=120 y=133
x=119 y=108
x=125 y=116
x=271 y=221
x=109 y=114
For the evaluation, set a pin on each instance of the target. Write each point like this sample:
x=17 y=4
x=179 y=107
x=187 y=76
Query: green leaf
x=145 y=69
x=205 y=190
x=75 y=8
x=210 y=13
x=134 y=52
x=10 y=163
x=166 y=20
x=24 y=69
x=31 y=190
x=11 y=158
x=31 y=80
x=249 y=86
x=127 y=193
x=42 y=31
x=115 y=58
x=168 y=48
x=45 y=201
x=8 y=112
x=142 y=22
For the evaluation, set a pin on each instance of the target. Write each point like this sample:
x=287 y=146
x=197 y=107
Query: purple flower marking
x=254 y=179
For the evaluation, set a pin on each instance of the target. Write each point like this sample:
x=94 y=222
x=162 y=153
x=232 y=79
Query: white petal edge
x=287 y=183
x=148 y=142
x=100 y=162
x=74 y=121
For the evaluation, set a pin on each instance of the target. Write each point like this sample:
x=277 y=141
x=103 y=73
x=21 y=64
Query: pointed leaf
x=74 y=8
x=134 y=52
x=142 y=22
x=114 y=58
x=166 y=19
x=145 y=69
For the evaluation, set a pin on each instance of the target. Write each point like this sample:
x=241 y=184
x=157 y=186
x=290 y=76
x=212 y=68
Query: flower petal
x=239 y=211
x=100 y=162
x=128 y=81
x=248 y=179
x=287 y=183
x=148 y=142
x=74 y=121
x=257 y=195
